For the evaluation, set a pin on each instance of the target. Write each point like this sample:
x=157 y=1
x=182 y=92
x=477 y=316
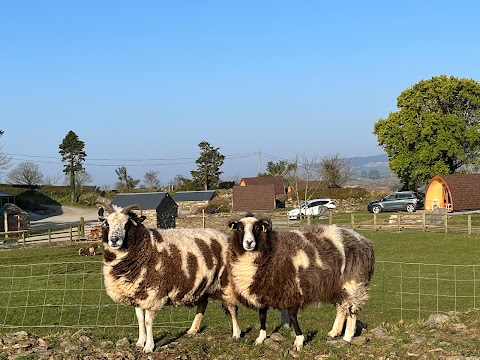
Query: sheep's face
x=248 y=231
x=116 y=226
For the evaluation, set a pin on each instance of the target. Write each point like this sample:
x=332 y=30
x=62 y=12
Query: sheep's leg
x=232 y=309
x=149 y=317
x=262 y=314
x=338 y=323
x=299 y=338
x=142 y=335
x=197 y=321
x=350 y=327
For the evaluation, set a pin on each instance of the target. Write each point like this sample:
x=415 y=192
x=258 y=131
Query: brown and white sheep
x=292 y=269
x=149 y=268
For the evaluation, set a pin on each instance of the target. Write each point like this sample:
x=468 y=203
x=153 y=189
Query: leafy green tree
x=73 y=156
x=208 y=166
x=126 y=182
x=279 y=168
x=25 y=173
x=434 y=131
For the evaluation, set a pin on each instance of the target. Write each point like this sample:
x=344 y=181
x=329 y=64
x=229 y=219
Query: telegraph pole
x=260 y=162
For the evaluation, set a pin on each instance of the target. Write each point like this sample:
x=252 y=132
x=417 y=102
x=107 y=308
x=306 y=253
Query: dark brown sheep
x=149 y=268
x=292 y=269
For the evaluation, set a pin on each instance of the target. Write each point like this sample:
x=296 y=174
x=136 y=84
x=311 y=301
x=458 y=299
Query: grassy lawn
x=50 y=288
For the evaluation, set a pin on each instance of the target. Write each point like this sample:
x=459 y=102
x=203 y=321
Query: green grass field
x=45 y=289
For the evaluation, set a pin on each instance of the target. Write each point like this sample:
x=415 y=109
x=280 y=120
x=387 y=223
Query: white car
x=312 y=207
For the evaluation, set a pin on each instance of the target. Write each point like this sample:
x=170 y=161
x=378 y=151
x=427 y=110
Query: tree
x=434 y=131
x=374 y=174
x=335 y=171
x=5 y=161
x=150 y=180
x=208 y=169
x=73 y=156
x=126 y=182
x=303 y=179
x=25 y=173
x=82 y=178
x=280 y=168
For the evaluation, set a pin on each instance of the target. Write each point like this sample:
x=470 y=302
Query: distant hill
x=367 y=163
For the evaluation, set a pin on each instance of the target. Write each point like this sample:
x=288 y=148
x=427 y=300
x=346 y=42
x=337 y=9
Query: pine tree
x=73 y=156
x=208 y=168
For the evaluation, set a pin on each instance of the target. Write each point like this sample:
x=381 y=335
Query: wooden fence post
x=469 y=226
x=330 y=217
x=446 y=222
x=49 y=235
x=398 y=222
x=424 y=222
x=203 y=218
x=82 y=228
x=375 y=222
x=352 y=216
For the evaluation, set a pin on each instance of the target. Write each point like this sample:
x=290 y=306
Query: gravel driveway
x=63 y=215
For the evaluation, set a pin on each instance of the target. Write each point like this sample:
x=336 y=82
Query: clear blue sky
x=152 y=79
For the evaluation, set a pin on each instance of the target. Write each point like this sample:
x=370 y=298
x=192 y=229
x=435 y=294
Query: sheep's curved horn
x=126 y=209
x=106 y=206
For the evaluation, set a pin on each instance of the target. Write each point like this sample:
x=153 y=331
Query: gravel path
x=63 y=215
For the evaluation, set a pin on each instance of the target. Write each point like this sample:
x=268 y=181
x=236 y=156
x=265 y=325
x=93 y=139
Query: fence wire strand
x=73 y=295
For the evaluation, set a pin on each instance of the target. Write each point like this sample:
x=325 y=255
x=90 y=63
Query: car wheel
x=376 y=209
x=410 y=208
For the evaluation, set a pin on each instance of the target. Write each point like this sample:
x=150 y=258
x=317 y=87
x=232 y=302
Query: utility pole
x=260 y=162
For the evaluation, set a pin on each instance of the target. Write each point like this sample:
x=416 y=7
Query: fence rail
x=76 y=232
x=460 y=223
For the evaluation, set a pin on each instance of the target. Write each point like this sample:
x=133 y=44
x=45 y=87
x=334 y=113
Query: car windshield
x=302 y=205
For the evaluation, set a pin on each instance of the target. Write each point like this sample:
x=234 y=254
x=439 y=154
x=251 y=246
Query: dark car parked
x=410 y=201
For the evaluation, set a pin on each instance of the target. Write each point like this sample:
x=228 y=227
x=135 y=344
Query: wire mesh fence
x=72 y=295
x=67 y=294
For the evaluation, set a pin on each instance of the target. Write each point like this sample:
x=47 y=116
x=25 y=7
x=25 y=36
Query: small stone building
x=13 y=218
x=159 y=208
x=189 y=201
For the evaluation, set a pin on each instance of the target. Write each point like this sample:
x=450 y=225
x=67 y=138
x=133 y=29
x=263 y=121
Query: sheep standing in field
x=291 y=269
x=149 y=268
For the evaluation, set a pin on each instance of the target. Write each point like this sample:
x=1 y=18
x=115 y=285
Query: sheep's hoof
x=147 y=349
x=298 y=347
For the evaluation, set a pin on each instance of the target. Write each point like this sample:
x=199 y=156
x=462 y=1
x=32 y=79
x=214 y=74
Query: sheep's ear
x=137 y=220
x=233 y=225
x=266 y=225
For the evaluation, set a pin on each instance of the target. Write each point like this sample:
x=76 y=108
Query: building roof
x=6 y=194
x=147 y=201
x=254 y=197
x=194 y=195
x=464 y=190
x=277 y=181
